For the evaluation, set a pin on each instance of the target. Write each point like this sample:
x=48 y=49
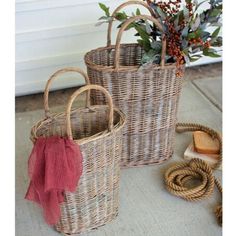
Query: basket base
x=145 y=162
x=91 y=229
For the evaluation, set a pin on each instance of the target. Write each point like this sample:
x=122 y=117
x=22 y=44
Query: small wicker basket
x=98 y=131
x=148 y=96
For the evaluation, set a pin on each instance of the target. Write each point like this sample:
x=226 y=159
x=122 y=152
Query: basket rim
x=95 y=66
x=120 y=124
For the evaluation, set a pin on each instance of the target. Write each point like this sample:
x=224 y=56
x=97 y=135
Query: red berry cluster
x=207 y=44
x=189 y=6
x=197 y=41
x=173 y=44
x=170 y=7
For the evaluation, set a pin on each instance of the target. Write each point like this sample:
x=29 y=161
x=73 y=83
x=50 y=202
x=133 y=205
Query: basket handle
x=118 y=9
x=53 y=77
x=126 y=24
x=80 y=91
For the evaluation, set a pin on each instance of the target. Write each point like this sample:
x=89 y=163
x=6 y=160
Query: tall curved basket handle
x=118 y=9
x=53 y=77
x=82 y=90
x=123 y=28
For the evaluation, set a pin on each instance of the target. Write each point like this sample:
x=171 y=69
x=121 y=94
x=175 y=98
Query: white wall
x=52 y=34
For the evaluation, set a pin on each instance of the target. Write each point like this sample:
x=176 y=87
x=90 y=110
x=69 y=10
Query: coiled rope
x=177 y=176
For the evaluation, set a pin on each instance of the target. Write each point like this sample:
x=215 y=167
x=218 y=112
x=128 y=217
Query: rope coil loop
x=178 y=176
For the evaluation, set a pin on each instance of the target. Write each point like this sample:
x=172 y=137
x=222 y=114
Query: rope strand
x=178 y=175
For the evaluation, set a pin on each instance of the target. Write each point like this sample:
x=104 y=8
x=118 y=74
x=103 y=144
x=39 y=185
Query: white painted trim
x=78 y=58
x=49 y=61
x=37 y=5
x=72 y=30
x=39 y=86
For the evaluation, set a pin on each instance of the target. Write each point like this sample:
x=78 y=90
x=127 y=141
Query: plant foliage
x=191 y=30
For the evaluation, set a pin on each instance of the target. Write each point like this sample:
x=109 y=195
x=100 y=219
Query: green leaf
x=196 y=50
x=196 y=23
x=186 y=58
x=195 y=34
x=121 y=16
x=202 y=17
x=205 y=35
x=156 y=45
x=142 y=44
x=103 y=18
x=176 y=20
x=194 y=58
x=215 y=33
x=142 y=33
x=215 y=12
x=186 y=12
x=138 y=12
x=185 y=31
x=185 y=51
x=131 y=25
x=104 y=8
x=184 y=43
x=216 y=24
x=181 y=16
x=150 y=57
x=217 y=42
x=210 y=52
x=145 y=44
x=100 y=23
x=219 y=7
x=160 y=13
x=192 y=35
x=148 y=28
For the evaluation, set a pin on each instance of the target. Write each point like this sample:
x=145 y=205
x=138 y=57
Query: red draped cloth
x=54 y=166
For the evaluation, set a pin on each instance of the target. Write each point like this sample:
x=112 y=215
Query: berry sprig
x=170 y=7
x=189 y=6
x=186 y=30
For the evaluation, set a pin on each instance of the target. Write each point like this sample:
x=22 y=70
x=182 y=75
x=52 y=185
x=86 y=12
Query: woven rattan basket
x=97 y=130
x=149 y=97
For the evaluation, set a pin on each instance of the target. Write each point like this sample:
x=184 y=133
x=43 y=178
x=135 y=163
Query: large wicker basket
x=98 y=131
x=148 y=96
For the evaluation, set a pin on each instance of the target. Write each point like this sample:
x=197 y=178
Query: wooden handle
x=126 y=24
x=118 y=9
x=54 y=76
x=76 y=94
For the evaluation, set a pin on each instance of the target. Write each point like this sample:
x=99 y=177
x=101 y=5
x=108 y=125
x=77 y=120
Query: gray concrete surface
x=146 y=208
x=212 y=89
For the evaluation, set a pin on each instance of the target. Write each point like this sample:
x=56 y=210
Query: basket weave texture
x=98 y=131
x=148 y=96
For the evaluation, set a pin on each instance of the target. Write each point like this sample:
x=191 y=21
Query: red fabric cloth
x=55 y=166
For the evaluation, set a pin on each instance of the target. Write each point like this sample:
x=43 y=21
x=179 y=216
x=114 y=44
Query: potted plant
x=191 y=31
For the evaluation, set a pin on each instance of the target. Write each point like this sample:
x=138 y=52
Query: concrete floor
x=146 y=208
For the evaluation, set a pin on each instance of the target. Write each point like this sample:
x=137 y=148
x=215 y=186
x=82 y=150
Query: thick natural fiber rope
x=178 y=175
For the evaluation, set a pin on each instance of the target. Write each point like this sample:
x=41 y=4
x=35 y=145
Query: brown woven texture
x=178 y=176
x=148 y=96
x=97 y=130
